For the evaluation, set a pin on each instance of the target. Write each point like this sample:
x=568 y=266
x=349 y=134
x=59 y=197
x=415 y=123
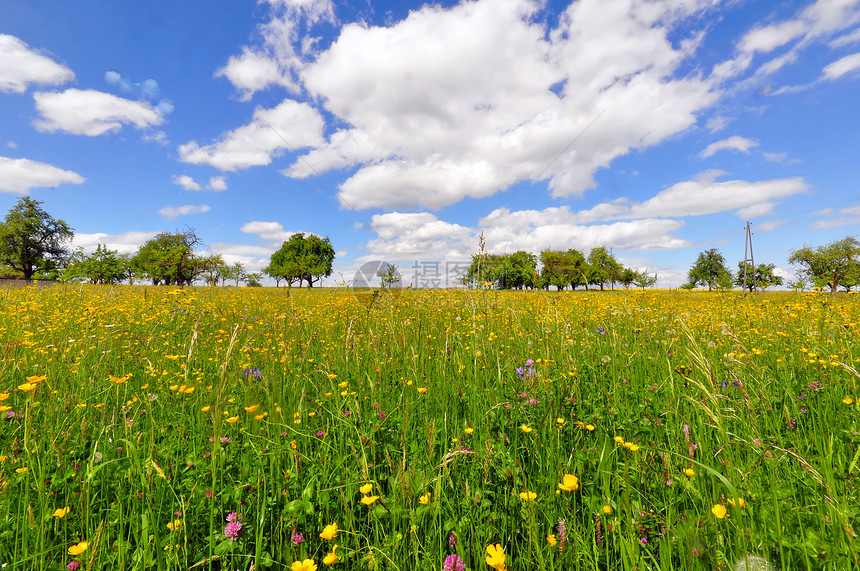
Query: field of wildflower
x=261 y=428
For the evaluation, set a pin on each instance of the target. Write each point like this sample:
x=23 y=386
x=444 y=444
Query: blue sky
x=403 y=130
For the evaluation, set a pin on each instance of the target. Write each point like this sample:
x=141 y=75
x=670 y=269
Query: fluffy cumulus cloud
x=735 y=143
x=21 y=65
x=126 y=243
x=627 y=226
x=290 y=125
x=436 y=112
x=217 y=183
x=171 y=212
x=22 y=175
x=186 y=182
x=92 y=113
x=269 y=231
x=280 y=56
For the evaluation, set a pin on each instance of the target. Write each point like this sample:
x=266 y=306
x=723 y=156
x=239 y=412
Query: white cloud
x=92 y=113
x=769 y=225
x=821 y=19
x=20 y=65
x=171 y=212
x=281 y=55
x=842 y=67
x=186 y=182
x=12 y=144
x=775 y=157
x=849 y=215
x=217 y=183
x=126 y=243
x=22 y=175
x=290 y=125
x=847 y=39
x=252 y=71
x=735 y=143
x=715 y=124
x=271 y=231
x=501 y=106
x=705 y=196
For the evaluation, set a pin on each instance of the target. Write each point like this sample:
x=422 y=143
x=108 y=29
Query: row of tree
x=559 y=268
x=34 y=244
x=830 y=266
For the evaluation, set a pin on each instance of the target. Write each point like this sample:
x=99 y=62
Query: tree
x=627 y=277
x=302 y=259
x=643 y=280
x=103 y=266
x=389 y=274
x=253 y=279
x=30 y=237
x=170 y=258
x=710 y=270
x=604 y=267
x=763 y=276
x=563 y=268
x=831 y=265
x=215 y=269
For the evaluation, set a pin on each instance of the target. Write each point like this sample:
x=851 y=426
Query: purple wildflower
x=452 y=541
x=73 y=564
x=233 y=517
x=520 y=372
x=530 y=363
x=233 y=529
x=453 y=563
x=297 y=538
x=320 y=433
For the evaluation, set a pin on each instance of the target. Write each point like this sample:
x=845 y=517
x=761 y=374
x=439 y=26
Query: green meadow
x=263 y=428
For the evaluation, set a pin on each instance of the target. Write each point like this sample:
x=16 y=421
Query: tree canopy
x=103 y=266
x=831 y=265
x=302 y=258
x=763 y=277
x=31 y=238
x=710 y=270
x=170 y=259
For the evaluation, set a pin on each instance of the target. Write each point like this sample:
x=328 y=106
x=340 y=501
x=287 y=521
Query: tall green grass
x=162 y=411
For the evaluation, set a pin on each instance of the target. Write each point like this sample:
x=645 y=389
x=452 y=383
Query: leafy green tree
x=563 y=268
x=215 y=269
x=710 y=270
x=627 y=277
x=832 y=265
x=522 y=270
x=170 y=258
x=643 y=280
x=604 y=267
x=103 y=266
x=302 y=258
x=389 y=274
x=763 y=276
x=31 y=239
x=253 y=279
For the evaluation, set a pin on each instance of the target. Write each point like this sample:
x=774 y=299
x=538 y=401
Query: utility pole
x=748 y=257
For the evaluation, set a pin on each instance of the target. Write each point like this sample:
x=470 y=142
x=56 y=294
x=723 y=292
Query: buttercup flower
x=306 y=565
x=496 y=557
x=329 y=531
x=719 y=510
x=61 y=512
x=331 y=558
x=550 y=539
x=528 y=496
x=425 y=498
x=569 y=483
x=78 y=548
x=367 y=500
x=366 y=488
